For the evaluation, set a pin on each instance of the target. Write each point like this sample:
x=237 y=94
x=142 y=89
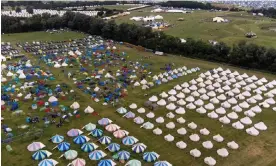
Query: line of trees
x=242 y=54
x=58 y=4
x=270 y=12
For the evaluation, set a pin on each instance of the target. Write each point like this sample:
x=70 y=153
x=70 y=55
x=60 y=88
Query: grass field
x=253 y=151
x=199 y=25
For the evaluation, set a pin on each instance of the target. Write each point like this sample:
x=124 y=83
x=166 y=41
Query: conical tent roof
x=180 y=111
x=214 y=100
x=195 y=153
x=246 y=120
x=210 y=161
x=224 y=120
x=202 y=91
x=204 y=97
x=153 y=99
x=164 y=95
x=195 y=94
x=220 y=111
x=185 y=85
x=22 y=76
x=194 y=137
x=233 y=115
x=211 y=94
x=75 y=105
x=170 y=115
x=209 y=106
x=212 y=115
x=181 y=120
x=181 y=131
x=172 y=98
x=157 y=131
x=172 y=92
x=218 y=138
x=180 y=102
x=88 y=109
x=249 y=113
x=150 y=115
x=204 y=131
x=171 y=106
x=181 y=145
x=238 y=125
x=233 y=145
x=244 y=105
x=190 y=99
x=252 y=131
x=52 y=99
x=232 y=101
x=162 y=102
x=170 y=125
x=180 y=95
x=177 y=87
x=141 y=110
x=207 y=144
x=192 y=125
x=186 y=90
x=260 y=126
x=237 y=108
x=191 y=106
x=201 y=84
x=159 y=120
x=210 y=87
x=169 y=138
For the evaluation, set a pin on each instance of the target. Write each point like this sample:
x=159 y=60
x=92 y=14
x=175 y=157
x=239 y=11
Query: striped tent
x=97 y=133
x=113 y=147
x=139 y=147
x=123 y=155
x=96 y=155
x=35 y=146
x=88 y=147
x=162 y=163
x=63 y=146
x=129 y=140
x=57 y=139
x=78 y=162
x=41 y=154
x=150 y=156
x=105 y=140
x=48 y=162
x=81 y=139
x=107 y=162
x=104 y=121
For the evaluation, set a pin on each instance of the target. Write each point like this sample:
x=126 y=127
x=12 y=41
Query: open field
x=199 y=25
x=253 y=151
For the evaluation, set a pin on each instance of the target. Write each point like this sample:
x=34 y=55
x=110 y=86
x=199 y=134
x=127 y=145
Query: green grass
x=40 y=36
x=199 y=25
x=254 y=151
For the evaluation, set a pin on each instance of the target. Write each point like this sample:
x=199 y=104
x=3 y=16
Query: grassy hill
x=199 y=25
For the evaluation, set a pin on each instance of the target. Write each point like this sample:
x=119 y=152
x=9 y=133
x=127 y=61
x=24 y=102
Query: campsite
x=111 y=94
x=137 y=96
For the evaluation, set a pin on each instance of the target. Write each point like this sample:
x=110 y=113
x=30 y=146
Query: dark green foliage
x=18 y=9
x=30 y=9
x=242 y=54
x=270 y=12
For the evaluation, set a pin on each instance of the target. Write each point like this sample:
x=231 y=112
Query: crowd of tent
x=87 y=145
x=24 y=12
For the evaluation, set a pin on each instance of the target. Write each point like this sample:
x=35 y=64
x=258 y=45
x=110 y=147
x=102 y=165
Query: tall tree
x=30 y=9
x=18 y=9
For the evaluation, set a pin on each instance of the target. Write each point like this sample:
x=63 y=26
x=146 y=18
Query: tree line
x=270 y=12
x=196 y=5
x=241 y=54
x=58 y=5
